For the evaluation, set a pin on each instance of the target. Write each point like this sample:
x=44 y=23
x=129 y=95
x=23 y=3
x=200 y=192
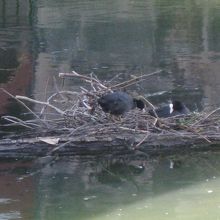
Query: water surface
x=113 y=188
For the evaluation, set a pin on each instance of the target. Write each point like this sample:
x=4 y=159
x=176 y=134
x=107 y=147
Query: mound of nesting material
x=77 y=117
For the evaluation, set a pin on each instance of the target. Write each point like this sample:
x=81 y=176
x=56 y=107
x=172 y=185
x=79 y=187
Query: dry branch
x=134 y=80
x=39 y=102
x=33 y=113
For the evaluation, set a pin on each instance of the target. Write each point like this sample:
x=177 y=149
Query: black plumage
x=117 y=103
x=173 y=109
x=139 y=103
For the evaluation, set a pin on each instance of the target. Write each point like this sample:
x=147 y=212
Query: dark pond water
x=39 y=39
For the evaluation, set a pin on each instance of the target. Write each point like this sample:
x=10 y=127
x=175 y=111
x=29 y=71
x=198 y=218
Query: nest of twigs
x=78 y=114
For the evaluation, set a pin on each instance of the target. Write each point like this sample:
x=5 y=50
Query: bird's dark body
x=163 y=112
x=178 y=108
x=116 y=103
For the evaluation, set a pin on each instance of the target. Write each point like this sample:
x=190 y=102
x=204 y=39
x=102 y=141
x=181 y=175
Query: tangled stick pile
x=78 y=114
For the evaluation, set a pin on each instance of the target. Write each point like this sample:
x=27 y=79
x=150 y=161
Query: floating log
x=127 y=142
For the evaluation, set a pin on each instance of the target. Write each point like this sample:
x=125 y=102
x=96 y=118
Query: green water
x=103 y=190
x=200 y=201
x=113 y=188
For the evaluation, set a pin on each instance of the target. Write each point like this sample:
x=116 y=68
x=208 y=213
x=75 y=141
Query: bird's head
x=177 y=105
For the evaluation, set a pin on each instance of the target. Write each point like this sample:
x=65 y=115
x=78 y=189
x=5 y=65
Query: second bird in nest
x=118 y=103
x=173 y=109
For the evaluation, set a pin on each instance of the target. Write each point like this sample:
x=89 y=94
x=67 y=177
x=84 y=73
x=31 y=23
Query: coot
x=117 y=103
x=173 y=109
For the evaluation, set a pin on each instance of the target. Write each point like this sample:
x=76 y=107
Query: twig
x=134 y=81
x=92 y=84
x=86 y=92
x=14 y=97
x=203 y=119
x=54 y=95
x=45 y=94
x=60 y=146
x=40 y=102
x=86 y=78
x=115 y=77
x=145 y=137
x=195 y=132
x=131 y=129
x=16 y=121
x=151 y=105
x=146 y=101
x=57 y=89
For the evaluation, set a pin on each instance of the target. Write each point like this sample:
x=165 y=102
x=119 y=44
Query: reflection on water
x=10 y=215
x=119 y=187
x=16 y=196
x=119 y=37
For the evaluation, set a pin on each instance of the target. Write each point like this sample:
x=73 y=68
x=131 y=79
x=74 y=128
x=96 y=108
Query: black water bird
x=118 y=103
x=173 y=109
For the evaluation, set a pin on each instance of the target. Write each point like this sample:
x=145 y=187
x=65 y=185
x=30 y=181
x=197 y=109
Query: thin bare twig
x=206 y=117
x=131 y=129
x=145 y=137
x=19 y=101
x=40 y=102
x=16 y=121
x=134 y=81
x=86 y=78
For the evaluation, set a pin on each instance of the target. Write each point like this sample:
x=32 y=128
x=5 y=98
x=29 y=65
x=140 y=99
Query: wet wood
x=31 y=147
